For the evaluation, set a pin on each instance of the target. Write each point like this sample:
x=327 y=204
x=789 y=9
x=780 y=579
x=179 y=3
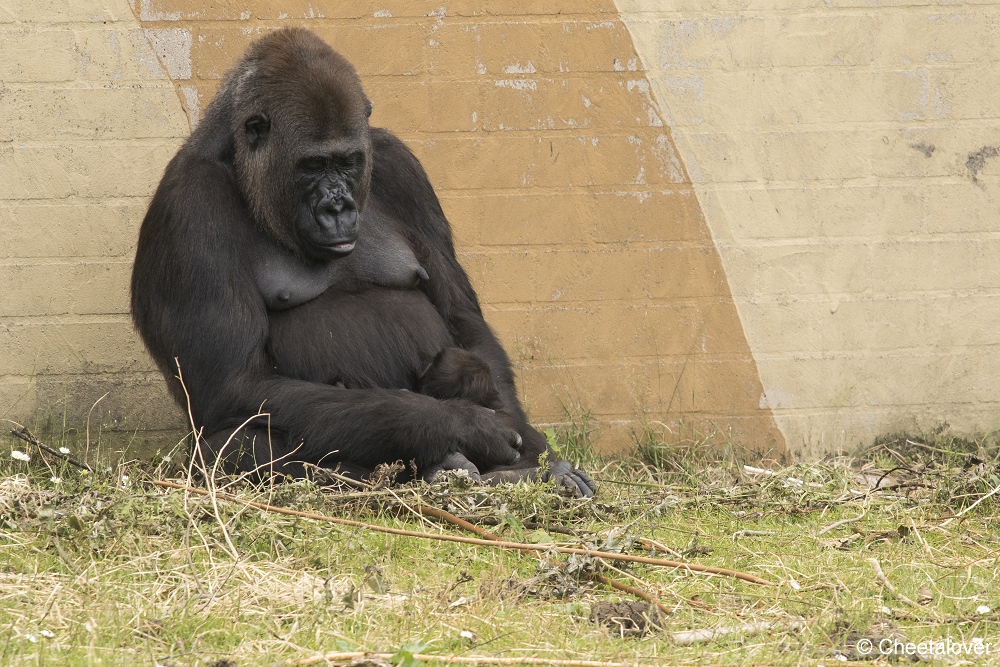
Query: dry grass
x=105 y=569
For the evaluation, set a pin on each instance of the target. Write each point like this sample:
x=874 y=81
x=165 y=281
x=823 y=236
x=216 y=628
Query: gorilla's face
x=329 y=179
x=303 y=151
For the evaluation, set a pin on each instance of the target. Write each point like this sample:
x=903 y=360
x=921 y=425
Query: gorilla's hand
x=454 y=461
x=565 y=476
x=484 y=438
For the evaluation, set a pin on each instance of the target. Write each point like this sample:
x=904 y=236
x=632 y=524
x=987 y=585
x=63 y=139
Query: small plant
x=572 y=440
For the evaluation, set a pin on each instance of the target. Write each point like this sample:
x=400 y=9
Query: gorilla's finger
x=582 y=489
x=585 y=478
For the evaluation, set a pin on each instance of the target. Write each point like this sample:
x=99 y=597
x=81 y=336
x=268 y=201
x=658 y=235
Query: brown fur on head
x=303 y=96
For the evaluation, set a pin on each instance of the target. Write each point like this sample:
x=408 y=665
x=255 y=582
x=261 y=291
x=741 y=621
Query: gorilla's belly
x=373 y=338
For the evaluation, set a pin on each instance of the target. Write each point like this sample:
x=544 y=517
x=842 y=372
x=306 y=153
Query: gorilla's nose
x=338 y=216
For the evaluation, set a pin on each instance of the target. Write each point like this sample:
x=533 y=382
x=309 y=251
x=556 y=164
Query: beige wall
x=844 y=156
x=88 y=119
x=573 y=211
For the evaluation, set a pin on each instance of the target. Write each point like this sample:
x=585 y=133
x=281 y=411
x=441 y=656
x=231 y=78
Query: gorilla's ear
x=368 y=107
x=257 y=128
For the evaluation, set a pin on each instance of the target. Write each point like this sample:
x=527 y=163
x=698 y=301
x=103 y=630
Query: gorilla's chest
x=381 y=258
x=375 y=337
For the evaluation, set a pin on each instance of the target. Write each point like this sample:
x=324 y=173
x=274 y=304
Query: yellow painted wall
x=845 y=157
x=572 y=209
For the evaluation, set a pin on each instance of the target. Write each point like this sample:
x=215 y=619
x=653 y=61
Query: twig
x=656 y=546
x=843 y=522
x=884 y=580
x=341 y=657
x=751 y=533
x=996 y=489
x=688 y=637
x=520 y=546
x=485 y=534
x=639 y=593
x=24 y=434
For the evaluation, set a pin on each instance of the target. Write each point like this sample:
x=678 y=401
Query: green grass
x=121 y=573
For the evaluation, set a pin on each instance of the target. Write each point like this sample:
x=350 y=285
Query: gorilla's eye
x=313 y=164
x=351 y=162
x=257 y=128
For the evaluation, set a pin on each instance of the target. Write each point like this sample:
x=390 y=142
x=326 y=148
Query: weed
x=105 y=568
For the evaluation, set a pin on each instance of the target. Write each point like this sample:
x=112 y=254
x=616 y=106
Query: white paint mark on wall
x=147 y=13
x=143 y=56
x=517 y=68
x=383 y=14
x=193 y=102
x=173 y=47
x=670 y=163
x=517 y=84
x=642 y=85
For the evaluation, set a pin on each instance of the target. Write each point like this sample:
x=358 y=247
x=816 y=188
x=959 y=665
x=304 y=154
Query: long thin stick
x=884 y=580
x=341 y=657
x=24 y=434
x=688 y=637
x=520 y=546
x=485 y=534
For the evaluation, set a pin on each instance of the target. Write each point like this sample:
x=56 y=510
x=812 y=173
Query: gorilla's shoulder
x=401 y=186
x=395 y=162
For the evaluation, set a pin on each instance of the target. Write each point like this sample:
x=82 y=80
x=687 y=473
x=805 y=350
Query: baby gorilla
x=459 y=374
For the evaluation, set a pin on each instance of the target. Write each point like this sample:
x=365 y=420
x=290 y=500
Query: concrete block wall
x=773 y=221
x=572 y=211
x=88 y=119
x=844 y=157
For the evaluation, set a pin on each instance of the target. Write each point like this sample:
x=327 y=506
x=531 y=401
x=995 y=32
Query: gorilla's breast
x=372 y=338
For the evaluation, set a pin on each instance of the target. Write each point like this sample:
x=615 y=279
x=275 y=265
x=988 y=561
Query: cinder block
x=744 y=40
x=556 y=160
x=104 y=344
x=58 y=11
x=956 y=35
x=373 y=11
x=789 y=268
x=603 y=330
x=55 y=113
x=965 y=92
x=904 y=266
x=570 y=216
x=115 y=53
x=514 y=103
x=84 y=228
x=80 y=288
x=555 y=44
x=87 y=169
x=796 y=97
x=29 y=55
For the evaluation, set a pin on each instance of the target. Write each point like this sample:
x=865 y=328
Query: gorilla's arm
x=400 y=183
x=194 y=299
x=402 y=187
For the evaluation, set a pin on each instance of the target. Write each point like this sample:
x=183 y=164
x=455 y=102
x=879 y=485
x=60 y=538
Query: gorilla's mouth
x=341 y=248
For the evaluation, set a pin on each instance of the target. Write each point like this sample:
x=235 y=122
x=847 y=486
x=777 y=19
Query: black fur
x=458 y=373
x=296 y=263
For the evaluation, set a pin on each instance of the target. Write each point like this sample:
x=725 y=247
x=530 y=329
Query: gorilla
x=297 y=269
x=458 y=373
